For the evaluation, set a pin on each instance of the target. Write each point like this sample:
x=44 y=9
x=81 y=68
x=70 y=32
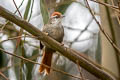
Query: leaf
x=27 y=9
x=44 y=11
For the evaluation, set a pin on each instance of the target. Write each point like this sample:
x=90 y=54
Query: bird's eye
x=56 y=16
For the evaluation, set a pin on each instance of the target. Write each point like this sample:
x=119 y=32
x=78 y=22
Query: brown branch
x=17 y=8
x=39 y=64
x=79 y=68
x=103 y=31
x=21 y=30
x=1 y=30
x=3 y=69
x=3 y=76
x=117 y=14
x=107 y=5
x=12 y=38
x=67 y=52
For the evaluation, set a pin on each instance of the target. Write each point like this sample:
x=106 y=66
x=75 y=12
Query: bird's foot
x=62 y=44
x=46 y=33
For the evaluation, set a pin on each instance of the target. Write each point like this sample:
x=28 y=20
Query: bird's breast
x=55 y=31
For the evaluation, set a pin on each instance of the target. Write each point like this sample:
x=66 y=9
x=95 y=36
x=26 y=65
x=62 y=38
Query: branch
x=21 y=57
x=107 y=5
x=103 y=31
x=80 y=71
x=67 y=52
x=3 y=76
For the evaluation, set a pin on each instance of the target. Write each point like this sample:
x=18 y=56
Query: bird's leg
x=46 y=33
x=62 y=44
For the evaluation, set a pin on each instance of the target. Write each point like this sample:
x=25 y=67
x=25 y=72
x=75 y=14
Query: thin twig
x=16 y=38
x=21 y=30
x=77 y=29
x=82 y=31
x=91 y=37
x=14 y=12
x=119 y=10
x=79 y=68
x=20 y=57
x=103 y=31
x=114 y=38
x=107 y=5
x=116 y=14
x=3 y=76
x=18 y=64
x=17 y=8
x=1 y=30
x=19 y=41
x=21 y=37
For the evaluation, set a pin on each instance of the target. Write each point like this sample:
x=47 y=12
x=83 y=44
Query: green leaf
x=27 y=9
x=44 y=11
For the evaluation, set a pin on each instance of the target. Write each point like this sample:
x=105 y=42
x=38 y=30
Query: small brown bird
x=55 y=30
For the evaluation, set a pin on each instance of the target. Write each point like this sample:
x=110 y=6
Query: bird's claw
x=46 y=33
x=62 y=44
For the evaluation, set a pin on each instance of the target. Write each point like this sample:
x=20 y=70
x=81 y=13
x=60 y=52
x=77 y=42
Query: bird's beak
x=62 y=16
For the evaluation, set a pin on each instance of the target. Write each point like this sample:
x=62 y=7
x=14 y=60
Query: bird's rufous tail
x=46 y=59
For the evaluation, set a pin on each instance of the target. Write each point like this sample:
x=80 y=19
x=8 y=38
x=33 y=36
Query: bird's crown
x=56 y=14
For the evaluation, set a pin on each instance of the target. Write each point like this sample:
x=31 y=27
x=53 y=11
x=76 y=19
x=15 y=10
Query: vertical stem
x=113 y=36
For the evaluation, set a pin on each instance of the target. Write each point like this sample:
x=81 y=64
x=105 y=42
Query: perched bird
x=55 y=30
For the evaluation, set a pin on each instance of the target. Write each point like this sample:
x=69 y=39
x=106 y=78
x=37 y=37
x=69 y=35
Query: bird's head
x=56 y=17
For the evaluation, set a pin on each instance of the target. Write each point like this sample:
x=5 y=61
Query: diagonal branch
x=3 y=76
x=67 y=52
x=21 y=57
x=103 y=31
x=107 y=5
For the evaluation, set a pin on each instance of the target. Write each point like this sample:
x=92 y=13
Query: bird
x=55 y=30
